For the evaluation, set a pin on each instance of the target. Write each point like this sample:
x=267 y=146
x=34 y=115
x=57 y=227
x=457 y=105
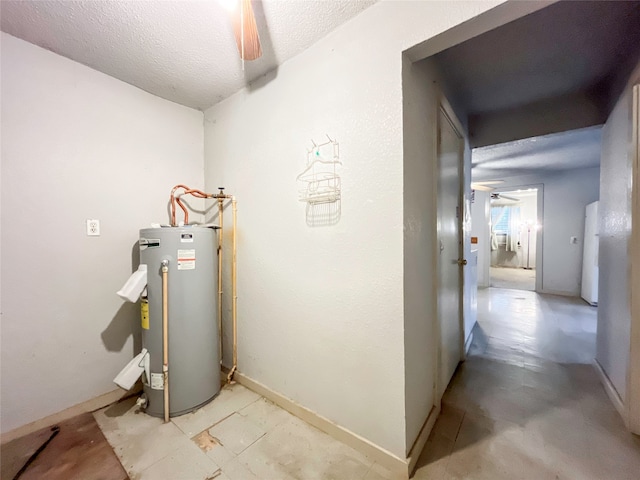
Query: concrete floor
x=527 y=403
x=513 y=278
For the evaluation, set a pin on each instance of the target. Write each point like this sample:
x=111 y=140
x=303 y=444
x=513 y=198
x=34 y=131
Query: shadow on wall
x=126 y=321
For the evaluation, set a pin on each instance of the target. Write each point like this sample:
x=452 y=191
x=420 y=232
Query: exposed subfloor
x=78 y=451
x=238 y=436
x=527 y=403
x=513 y=278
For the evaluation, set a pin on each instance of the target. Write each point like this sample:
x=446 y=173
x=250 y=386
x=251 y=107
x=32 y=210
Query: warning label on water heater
x=157 y=381
x=186 y=259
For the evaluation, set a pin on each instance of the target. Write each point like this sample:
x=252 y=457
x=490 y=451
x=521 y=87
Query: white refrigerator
x=590 y=255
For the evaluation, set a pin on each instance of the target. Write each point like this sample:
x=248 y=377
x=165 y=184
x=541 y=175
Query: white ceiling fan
x=501 y=196
x=486 y=185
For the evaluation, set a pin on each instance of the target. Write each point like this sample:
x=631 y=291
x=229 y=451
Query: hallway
x=527 y=404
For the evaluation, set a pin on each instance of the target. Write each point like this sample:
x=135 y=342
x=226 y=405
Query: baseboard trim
x=398 y=466
x=612 y=393
x=90 y=405
x=558 y=293
x=467 y=344
x=421 y=441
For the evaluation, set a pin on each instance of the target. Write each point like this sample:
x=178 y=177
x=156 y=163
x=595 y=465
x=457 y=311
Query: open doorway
x=508 y=89
x=510 y=95
x=513 y=245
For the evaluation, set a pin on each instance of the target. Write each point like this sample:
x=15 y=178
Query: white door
x=450 y=152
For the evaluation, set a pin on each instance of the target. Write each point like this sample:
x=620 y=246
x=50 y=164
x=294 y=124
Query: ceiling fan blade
x=507 y=197
x=481 y=187
x=489 y=182
x=246 y=32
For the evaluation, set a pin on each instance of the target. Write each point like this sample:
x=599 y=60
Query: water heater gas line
x=165 y=336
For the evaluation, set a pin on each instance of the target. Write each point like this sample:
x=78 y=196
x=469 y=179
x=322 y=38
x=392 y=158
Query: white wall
x=480 y=216
x=321 y=312
x=420 y=110
x=565 y=195
x=423 y=87
x=614 y=314
x=77 y=144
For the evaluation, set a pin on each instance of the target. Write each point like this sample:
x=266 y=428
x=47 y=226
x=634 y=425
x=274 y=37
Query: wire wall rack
x=319 y=182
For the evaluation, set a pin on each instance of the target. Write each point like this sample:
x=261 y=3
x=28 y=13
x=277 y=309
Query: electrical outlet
x=93 y=228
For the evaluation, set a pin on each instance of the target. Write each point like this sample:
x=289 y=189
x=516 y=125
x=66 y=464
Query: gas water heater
x=189 y=255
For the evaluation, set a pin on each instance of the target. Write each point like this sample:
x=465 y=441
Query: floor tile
x=213 y=448
x=186 y=463
x=140 y=451
x=518 y=278
x=234 y=470
x=297 y=450
x=265 y=414
x=232 y=398
x=124 y=419
x=236 y=433
x=378 y=472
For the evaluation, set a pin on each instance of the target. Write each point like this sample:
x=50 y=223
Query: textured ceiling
x=568 y=47
x=538 y=155
x=183 y=51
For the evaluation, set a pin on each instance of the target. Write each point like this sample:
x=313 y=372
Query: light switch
x=573 y=240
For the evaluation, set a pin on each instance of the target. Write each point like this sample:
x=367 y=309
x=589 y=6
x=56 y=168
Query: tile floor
x=238 y=436
x=527 y=403
x=514 y=278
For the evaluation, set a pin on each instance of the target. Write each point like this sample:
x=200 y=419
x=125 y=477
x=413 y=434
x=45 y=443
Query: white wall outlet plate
x=93 y=228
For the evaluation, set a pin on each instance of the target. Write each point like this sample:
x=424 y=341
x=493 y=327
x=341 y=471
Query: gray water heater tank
x=194 y=368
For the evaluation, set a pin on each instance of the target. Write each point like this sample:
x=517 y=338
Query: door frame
x=633 y=372
x=447 y=110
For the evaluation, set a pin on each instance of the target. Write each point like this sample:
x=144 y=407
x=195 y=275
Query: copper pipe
x=187 y=191
x=234 y=293
x=184 y=209
x=165 y=337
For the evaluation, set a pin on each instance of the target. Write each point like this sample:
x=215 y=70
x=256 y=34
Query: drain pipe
x=234 y=292
x=165 y=337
